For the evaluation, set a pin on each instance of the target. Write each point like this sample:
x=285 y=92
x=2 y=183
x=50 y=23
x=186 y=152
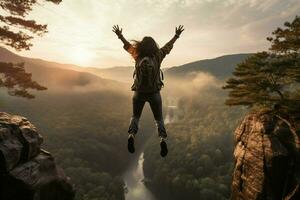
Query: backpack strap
x=142 y=60
x=137 y=64
x=162 y=74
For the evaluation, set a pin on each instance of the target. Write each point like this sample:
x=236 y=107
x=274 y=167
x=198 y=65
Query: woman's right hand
x=117 y=30
x=179 y=30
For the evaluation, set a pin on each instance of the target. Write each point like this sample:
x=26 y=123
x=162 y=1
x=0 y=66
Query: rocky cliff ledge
x=266 y=159
x=26 y=171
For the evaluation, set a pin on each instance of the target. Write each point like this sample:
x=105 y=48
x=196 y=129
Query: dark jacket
x=158 y=58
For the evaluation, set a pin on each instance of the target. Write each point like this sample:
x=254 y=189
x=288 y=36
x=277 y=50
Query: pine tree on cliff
x=269 y=79
x=16 y=31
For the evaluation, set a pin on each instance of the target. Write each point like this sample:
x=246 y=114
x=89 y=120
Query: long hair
x=146 y=47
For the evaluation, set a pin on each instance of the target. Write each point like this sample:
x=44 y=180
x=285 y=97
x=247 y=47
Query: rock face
x=26 y=171
x=266 y=159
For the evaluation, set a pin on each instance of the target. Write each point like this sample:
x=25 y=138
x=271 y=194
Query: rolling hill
x=123 y=74
x=61 y=76
x=221 y=67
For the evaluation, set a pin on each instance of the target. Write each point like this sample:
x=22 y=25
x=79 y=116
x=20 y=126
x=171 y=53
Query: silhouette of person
x=147 y=82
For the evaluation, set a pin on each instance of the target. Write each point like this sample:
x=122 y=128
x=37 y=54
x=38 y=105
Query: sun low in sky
x=80 y=32
x=81 y=55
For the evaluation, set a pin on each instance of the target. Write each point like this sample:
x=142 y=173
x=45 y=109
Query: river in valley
x=134 y=175
x=133 y=178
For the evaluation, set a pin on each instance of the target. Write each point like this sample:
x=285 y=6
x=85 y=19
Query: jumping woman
x=147 y=82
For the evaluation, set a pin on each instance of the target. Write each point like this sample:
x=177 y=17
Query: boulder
x=266 y=159
x=26 y=171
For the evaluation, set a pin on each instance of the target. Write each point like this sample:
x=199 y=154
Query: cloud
x=213 y=27
x=204 y=81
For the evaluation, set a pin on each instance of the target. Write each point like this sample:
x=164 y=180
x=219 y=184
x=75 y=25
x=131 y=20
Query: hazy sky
x=80 y=30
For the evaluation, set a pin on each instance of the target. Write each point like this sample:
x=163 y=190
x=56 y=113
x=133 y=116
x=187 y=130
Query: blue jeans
x=138 y=101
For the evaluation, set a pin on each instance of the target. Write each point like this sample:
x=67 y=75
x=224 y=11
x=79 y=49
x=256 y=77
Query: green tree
x=17 y=80
x=16 y=31
x=270 y=78
x=16 y=11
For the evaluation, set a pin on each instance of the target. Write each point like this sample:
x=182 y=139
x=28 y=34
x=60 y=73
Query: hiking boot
x=130 y=145
x=163 y=148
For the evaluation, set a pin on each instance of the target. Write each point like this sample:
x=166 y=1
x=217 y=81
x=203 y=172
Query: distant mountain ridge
x=123 y=74
x=120 y=73
x=220 y=67
x=8 y=56
x=57 y=75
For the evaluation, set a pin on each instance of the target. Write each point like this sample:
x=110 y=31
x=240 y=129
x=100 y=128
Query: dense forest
x=85 y=127
x=80 y=130
x=86 y=131
x=199 y=163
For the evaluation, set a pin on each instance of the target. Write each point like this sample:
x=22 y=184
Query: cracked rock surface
x=266 y=159
x=26 y=171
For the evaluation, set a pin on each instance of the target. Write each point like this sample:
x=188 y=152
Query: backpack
x=148 y=77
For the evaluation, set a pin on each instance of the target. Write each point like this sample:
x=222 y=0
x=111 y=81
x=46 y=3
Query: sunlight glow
x=212 y=28
x=81 y=56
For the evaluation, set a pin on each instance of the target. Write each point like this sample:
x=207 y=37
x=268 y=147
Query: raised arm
x=168 y=47
x=118 y=31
